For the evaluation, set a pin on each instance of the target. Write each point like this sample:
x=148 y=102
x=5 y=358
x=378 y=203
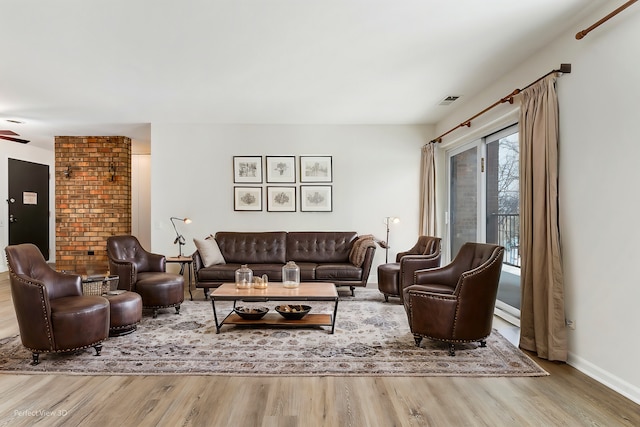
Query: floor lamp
x=179 y=237
x=388 y=220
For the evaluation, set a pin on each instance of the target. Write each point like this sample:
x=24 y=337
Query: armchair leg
x=98 y=349
x=35 y=359
x=155 y=313
x=483 y=343
x=417 y=339
x=206 y=293
x=386 y=298
x=177 y=309
x=452 y=349
x=352 y=289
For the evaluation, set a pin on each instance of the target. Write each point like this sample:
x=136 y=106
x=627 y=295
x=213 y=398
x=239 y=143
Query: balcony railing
x=505 y=231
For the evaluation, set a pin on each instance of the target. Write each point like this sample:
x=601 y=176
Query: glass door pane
x=463 y=202
x=502 y=212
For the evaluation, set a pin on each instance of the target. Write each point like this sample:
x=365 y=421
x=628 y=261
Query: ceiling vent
x=448 y=100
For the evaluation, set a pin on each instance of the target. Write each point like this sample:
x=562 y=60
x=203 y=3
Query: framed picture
x=281 y=199
x=247 y=169
x=315 y=169
x=247 y=198
x=315 y=198
x=281 y=169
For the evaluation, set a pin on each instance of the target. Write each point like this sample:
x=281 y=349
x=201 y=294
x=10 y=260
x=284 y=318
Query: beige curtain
x=428 y=191
x=542 y=318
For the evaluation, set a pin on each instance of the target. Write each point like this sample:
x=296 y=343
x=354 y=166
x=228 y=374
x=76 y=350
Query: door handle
x=12 y=219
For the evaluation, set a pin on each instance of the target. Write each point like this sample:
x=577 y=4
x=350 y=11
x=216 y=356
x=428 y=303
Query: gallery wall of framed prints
x=274 y=178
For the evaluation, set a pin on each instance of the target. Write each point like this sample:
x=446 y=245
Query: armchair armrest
x=156 y=262
x=447 y=275
x=409 y=264
x=126 y=271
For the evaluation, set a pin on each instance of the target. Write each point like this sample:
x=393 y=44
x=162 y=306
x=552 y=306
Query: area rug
x=371 y=338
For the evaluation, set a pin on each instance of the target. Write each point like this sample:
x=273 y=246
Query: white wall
x=13 y=150
x=599 y=153
x=141 y=198
x=375 y=174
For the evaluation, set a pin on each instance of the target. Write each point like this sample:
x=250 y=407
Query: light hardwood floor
x=565 y=398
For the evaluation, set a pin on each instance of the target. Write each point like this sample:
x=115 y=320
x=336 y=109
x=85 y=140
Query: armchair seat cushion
x=434 y=288
x=78 y=320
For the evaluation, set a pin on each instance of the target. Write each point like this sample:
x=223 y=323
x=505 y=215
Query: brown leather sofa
x=393 y=277
x=53 y=315
x=322 y=257
x=455 y=303
x=145 y=273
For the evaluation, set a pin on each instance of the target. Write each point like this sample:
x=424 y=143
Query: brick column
x=93 y=199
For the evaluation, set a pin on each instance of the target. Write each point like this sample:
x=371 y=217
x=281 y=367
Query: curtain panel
x=542 y=317
x=428 y=191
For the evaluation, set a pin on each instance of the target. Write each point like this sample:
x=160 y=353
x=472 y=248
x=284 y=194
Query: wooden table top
x=310 y=290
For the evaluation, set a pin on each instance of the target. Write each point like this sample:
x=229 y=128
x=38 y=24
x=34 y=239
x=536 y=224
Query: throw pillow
x=359 y=249
x=209 y=251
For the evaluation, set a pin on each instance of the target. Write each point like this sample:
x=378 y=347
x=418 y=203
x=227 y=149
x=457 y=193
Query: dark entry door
x=29 y=204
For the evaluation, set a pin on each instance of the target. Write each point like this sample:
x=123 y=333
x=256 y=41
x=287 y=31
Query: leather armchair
x=395 y=276
x=145 y=273
x=455 y=303
x=53 y=315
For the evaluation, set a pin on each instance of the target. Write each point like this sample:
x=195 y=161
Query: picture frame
x=247 y=198
x=247 y=169
x=281 y=169
x=281 y=199
x=316 y=198
x=316 y=169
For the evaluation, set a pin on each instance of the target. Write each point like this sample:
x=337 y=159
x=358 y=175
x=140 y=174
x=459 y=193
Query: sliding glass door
x=484 y=180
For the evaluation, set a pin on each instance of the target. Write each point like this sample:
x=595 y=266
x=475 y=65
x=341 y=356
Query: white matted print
x=316 y=169
x=247 y=169
x=315 y=198
x=281 y=169
x=281 y=199
x=247 y=198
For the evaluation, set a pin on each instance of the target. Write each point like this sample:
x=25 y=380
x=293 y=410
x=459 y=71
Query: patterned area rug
x=371 y=338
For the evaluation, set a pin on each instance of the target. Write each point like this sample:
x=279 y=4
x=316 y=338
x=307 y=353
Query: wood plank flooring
x=565 y=398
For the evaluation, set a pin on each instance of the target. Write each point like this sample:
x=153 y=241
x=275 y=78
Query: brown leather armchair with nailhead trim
x=393 y=277
x=53 y=314
x=455 y=303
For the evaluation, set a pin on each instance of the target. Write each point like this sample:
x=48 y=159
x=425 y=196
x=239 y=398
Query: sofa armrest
x=368 y=262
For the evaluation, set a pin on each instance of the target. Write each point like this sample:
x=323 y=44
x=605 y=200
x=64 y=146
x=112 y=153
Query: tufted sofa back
x=252 y=248
x=320 y=246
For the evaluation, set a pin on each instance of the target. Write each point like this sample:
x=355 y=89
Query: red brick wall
x=91 y=204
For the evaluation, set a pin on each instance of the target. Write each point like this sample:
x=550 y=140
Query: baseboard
x=614 y=383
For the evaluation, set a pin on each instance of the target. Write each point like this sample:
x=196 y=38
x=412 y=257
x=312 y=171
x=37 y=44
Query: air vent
x=448 y=100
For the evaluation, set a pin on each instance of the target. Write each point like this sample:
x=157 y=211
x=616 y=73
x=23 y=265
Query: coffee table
x=277 y=292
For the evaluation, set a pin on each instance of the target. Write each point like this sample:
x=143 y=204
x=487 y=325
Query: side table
x=183 y=260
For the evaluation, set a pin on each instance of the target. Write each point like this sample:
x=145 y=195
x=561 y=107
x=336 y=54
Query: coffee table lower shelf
x=274 y=319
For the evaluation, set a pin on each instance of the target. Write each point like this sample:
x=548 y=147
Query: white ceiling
x=77 y=67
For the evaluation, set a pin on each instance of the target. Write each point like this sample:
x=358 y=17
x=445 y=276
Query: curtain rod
x=564 y=68
x=583 y=33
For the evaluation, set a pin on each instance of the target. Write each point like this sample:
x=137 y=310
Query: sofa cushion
x=209 y=251
x=252 y=247
x=343 y=271
x=320 y=246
